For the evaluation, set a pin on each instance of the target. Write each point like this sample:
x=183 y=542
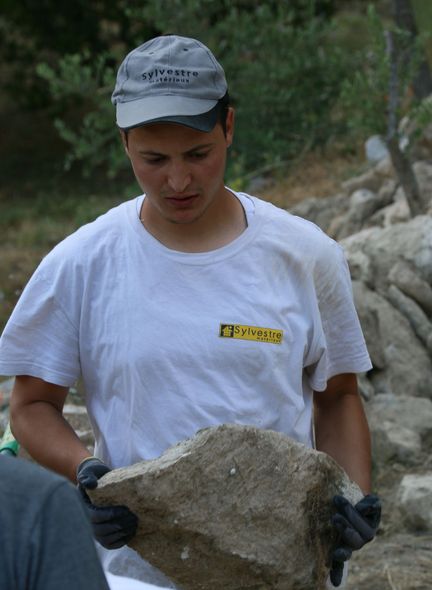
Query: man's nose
x=179 y=177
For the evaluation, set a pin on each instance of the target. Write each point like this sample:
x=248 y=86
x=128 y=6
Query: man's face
x=181 y=171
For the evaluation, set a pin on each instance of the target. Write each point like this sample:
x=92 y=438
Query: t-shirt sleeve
x=62 y=545
x=340 y=345
x=41 y=336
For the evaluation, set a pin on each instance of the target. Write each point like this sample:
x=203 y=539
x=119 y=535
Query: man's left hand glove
x=113 y=526
x=356 y=525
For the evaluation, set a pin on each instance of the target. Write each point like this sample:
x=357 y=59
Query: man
x=187 y=307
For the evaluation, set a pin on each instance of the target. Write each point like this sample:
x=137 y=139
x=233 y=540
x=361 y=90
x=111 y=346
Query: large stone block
x=233 y=508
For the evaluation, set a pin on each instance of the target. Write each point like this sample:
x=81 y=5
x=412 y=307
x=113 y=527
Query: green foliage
x=423 y=17
x=284 y=81
x=420 y=117
x=283 y=70
x=368 y=98
x=46 y=30
x=86 y=83
x=364 y=95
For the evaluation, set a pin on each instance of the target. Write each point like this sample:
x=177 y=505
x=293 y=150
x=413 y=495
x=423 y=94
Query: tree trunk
x=400 y=161
x=406 y=176
x=403 y=15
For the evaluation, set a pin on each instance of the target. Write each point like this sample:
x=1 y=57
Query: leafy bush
x=46 y=30
x=284 y=80
x=89 y=82
x=366 y=97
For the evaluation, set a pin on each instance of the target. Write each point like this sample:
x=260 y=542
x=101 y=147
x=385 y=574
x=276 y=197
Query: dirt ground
x=317 y=174
x=398 y=562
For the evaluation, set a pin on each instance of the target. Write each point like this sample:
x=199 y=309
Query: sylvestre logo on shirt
x=256 y=333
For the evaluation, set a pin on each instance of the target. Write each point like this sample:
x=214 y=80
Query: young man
x=189 y=306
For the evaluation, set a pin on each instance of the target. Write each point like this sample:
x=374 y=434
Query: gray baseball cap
x=169 y=79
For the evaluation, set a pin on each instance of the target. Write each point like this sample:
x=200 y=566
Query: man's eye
x=198 y=155
x=154 y=160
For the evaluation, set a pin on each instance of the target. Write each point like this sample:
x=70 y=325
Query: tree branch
x=400 y=161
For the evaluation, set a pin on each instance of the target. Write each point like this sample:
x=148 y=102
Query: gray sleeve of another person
x=62 y=546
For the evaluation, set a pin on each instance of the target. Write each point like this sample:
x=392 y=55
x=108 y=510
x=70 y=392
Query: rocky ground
x=390 y=257
x=395 y=562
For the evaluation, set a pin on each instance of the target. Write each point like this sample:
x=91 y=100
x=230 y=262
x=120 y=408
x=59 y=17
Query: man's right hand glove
x=113 y=526
x=356 y=525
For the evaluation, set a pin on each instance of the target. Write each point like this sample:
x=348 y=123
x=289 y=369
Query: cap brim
x=205 y=122
x=194 y=113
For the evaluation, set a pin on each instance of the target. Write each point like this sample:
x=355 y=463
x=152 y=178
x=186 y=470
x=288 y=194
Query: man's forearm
x=341 y=431
x=40 y=428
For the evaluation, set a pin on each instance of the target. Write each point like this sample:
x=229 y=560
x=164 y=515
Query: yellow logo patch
x=241 y=332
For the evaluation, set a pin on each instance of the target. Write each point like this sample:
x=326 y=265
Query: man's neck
x=221 y=224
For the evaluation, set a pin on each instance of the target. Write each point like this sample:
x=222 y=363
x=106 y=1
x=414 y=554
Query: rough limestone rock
x=78 y=418
x=415 y=501
x=369 y=180
x=414 y=314
x=396 y=212
x=410 y=242
x=409 y=413
x=361 y=267
x=362 y=204
x=401 y=364
x=322 y=211
x=365 y=386
x=423 y=172
x=233 y=508
x=390 y=444
x=407 y=280
x=387 y=192
x=401 y=429
x=376 y=149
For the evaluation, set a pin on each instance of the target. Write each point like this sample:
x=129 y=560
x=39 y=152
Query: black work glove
x=356 y=525
x=113 y=526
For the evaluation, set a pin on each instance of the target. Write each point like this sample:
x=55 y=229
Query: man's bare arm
x=341 y=428
x=38 y=424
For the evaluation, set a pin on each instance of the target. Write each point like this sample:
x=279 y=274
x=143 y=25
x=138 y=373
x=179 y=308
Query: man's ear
x=124 y=138
x=230 y=126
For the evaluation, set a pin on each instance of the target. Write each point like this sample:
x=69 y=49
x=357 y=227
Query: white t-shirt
x=148 y=329
x=169 y=342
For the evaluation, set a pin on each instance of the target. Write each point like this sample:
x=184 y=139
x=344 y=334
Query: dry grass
x=318 y=174
x=16 y=267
